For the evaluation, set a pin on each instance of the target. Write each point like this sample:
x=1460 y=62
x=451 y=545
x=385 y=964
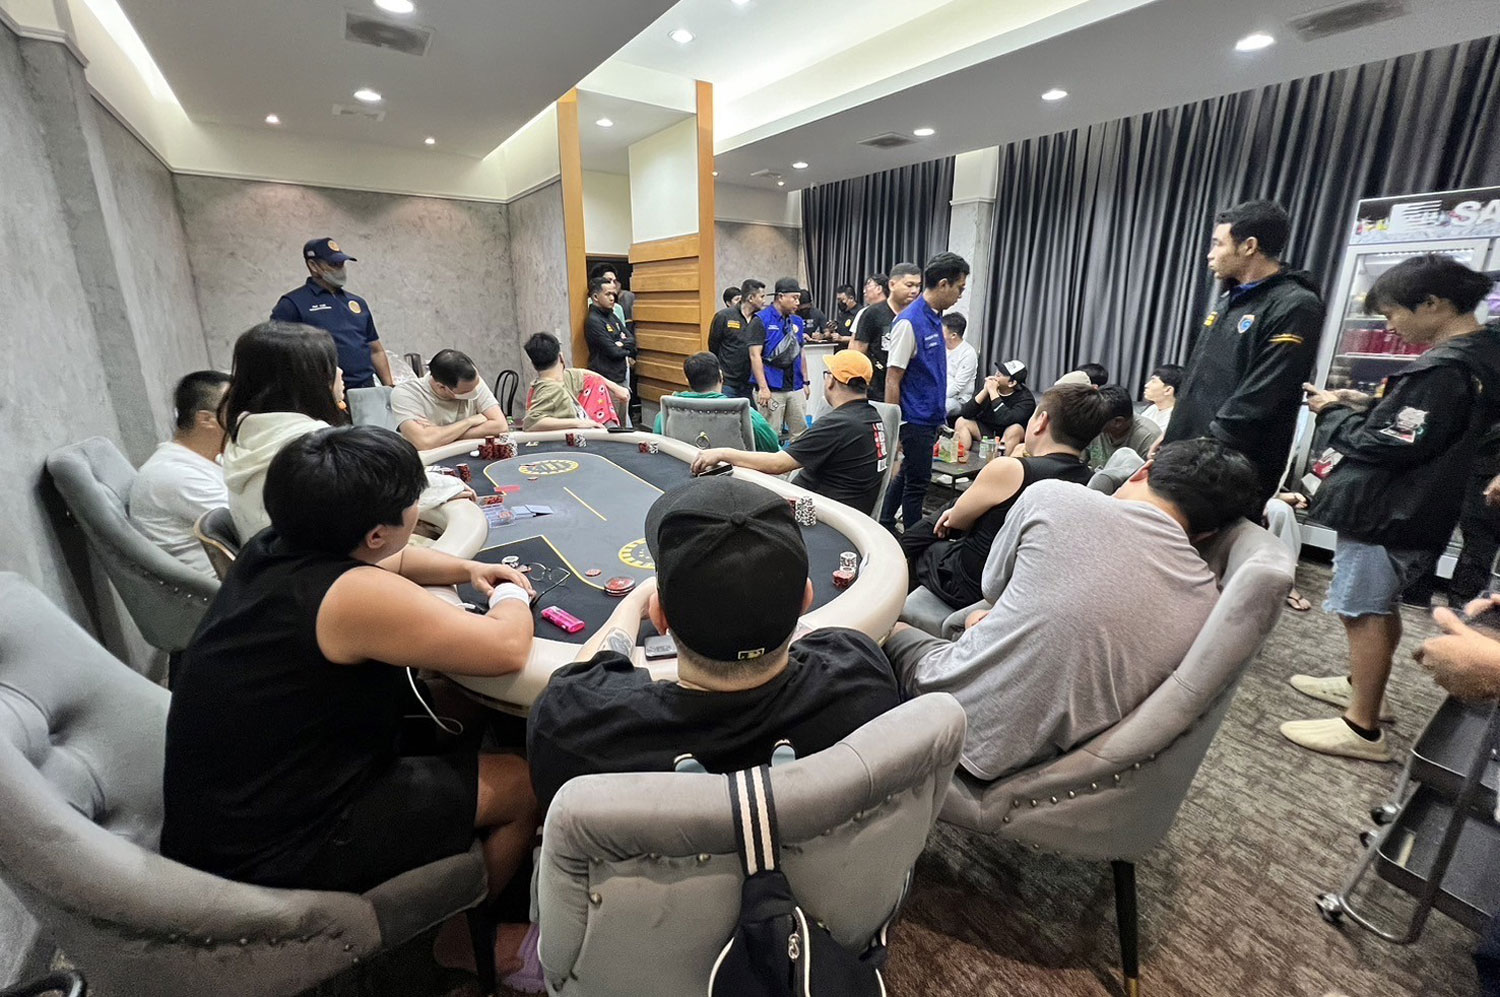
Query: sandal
x=1296 y=601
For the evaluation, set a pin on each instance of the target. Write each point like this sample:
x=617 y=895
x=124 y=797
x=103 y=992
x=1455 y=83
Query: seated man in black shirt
x=842 y=455
x=946 y=553
x=731 y=582
x=1001 y=408
x=285 y=763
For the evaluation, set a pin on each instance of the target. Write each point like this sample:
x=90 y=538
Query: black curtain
x=1100 y=234
x=853 y=228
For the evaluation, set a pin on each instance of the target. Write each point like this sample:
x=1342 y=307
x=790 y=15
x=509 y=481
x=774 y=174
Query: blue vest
x=778 y=327
x=924 y=386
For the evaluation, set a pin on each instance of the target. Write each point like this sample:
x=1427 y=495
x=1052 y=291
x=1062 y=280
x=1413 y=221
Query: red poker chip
x=593 y=572
x=619 y=586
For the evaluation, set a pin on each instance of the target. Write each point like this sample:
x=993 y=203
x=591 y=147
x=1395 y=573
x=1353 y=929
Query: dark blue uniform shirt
x=345 y=316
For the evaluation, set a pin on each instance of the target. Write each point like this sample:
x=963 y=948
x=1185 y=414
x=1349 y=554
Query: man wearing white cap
x=1001 y=409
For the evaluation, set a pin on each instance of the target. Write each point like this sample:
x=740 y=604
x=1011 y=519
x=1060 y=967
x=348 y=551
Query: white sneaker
x=1334 y=690
x=1334 y=737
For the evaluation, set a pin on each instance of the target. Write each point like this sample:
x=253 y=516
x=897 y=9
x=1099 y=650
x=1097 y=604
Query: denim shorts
x=1368 y=579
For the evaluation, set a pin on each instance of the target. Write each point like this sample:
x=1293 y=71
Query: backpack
x=777 y=950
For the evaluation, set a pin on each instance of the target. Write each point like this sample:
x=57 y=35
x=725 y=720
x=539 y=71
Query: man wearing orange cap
x=843 y=454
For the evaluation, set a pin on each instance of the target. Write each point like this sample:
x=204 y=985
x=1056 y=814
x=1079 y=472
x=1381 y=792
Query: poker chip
x=620 y=585
x=593 y=572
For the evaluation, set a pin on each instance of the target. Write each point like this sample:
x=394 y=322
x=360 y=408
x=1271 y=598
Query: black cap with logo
x=326 y=250
x=731 y=567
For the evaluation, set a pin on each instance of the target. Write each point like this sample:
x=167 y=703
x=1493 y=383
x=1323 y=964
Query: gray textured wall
x=437 y=272
x=765 y=252
x=151 y=256
x=539 y=265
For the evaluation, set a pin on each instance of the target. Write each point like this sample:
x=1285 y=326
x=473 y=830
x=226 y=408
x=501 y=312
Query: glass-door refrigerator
x=1357 y=350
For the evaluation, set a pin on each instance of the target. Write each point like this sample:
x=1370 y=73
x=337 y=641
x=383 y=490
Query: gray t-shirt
x=417 y=400
x=1097 y=600
x=1143 y=433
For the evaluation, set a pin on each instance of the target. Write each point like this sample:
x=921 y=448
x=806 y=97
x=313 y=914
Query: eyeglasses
x=544 y=579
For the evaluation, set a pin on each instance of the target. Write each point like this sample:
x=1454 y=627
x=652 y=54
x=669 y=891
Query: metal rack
x=1437 y=839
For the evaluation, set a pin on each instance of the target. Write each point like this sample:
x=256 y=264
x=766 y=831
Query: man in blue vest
x=916 y=378
x=323 y=302
x=776 y=361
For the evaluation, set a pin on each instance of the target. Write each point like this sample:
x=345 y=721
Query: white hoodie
x=261 y=437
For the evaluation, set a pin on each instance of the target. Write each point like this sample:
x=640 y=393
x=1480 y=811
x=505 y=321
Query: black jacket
x=728 y=340
x=1243 y=385
x=1395 y=475
x=609 y=344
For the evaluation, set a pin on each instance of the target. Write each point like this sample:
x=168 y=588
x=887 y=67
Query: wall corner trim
x=53 y=35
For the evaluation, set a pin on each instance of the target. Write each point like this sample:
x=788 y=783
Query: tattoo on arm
x=620 y=642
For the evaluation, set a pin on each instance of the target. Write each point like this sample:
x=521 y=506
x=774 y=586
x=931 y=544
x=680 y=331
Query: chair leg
x=482 y=935
x=1128 y=921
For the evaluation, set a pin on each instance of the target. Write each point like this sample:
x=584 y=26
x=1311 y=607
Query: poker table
x=589 y=527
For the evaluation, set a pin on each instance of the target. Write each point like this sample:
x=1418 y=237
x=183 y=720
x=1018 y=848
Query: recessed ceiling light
x=739 y=3
x=799 y=165
x=1056 y=93
x=605 y=123
x=781 y=183
x=1255 y=42
x=716 y=172
x=923 y=132
x=368 y=96
x=396 y=6
x=272 y=119
x=430 y=140
x=681 y=36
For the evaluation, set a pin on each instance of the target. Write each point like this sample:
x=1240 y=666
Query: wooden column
x=570 y=157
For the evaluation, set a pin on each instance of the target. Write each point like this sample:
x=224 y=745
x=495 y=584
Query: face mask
x=335 y=276
x=465 y=396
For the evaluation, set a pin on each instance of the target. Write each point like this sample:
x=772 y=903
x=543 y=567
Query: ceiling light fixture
x=739 y=3
x=681 y=36
x=1254 y=43
x=1056 y=93
x=799 y=165
x=716 y=172
x=429 y=140
x=923 y=132
x=272 y=119
x=368 y=96
x=605 y=123
x=396 y=6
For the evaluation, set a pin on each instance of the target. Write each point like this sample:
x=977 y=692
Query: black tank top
x=267 y=740
x=963 y=562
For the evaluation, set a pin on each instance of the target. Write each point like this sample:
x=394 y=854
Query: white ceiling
x=607 y=150
x=1157 y=55
x=491 y=66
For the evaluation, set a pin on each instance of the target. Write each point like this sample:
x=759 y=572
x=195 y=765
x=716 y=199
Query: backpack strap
x=755 y=829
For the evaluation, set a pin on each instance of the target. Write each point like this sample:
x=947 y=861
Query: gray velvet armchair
x=708 y=422
x=81 y=753
x=639 y=881
x=1116 y=796
x=165 y=597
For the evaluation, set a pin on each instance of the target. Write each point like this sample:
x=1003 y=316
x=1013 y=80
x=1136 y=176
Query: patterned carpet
x=1226 y=903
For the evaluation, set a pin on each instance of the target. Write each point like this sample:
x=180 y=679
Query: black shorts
x=417 y=811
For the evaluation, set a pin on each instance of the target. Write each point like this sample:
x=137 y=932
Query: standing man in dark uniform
x=728 y=339
x=1244 y=383
x=843 y=320
x=610 y=345
x=872 y=333
x=323 y=302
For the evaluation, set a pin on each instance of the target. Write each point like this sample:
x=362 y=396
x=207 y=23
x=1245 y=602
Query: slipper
x=529 y=979
x=1298 y=602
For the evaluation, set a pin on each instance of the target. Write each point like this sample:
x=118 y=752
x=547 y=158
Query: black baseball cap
x=788 y=285
x=731 y=567
x=326 y=250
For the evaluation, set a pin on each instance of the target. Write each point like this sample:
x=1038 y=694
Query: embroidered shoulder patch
x=1408 y=426
x=1246 y=323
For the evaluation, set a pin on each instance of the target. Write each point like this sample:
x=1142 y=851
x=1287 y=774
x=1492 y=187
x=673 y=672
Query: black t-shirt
x=728 y=339
x=843 y=454
x=954 y=569
x=604 y=715
x=267 y=740
x=995 y=414
x=874 y=330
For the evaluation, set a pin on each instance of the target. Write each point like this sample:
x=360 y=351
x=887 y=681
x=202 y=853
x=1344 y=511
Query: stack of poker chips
x=651 y=447
x=464 y=473
x=805 y=512
x=848 y=570
x=487 y=449
x=505 y=449
x=577 y=440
